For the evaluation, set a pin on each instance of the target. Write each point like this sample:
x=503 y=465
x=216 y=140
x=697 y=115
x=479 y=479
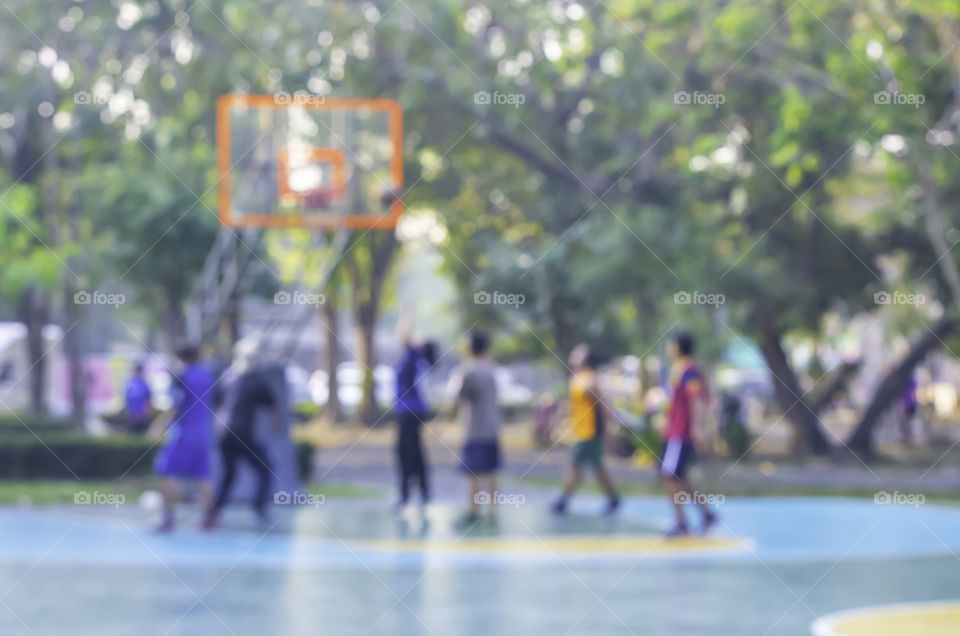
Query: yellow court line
x=928 y=619
x=586 y=544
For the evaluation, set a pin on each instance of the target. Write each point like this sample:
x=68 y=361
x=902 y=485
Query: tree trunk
x=838 y=381
x=893 y=385
x=73 y=348
x=230 y=326
x=937 y=232
x=329 y=311
x=366 y=295
x=808 y=436
x=175 y=323
x=366 y=324
x=73 y=315
x=35 y=303
x=34 y=313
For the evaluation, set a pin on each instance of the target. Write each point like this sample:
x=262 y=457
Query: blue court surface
x=774 y=566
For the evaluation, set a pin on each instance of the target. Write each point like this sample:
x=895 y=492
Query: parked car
x=350 y=389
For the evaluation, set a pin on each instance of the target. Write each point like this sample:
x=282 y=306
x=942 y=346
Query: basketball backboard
x=309 y=161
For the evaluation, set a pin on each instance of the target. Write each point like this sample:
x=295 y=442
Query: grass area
x=50 y=491
x=344 y=490
x=42 y=492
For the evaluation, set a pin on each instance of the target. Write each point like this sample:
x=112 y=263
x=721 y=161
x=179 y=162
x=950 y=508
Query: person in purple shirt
x=186 y=453
x=411 y=411
x=137 y=401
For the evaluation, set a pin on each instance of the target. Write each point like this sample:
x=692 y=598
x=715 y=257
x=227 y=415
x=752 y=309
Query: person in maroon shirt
x=677 y=452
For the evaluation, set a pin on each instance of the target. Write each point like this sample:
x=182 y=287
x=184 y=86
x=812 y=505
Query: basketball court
x=356 y=308
x=830 y=567
x=775 y=566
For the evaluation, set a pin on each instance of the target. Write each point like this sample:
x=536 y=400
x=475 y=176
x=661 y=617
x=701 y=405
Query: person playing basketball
x=684 y=416
x=588 y=415
x=186 y=454
x=411 y=410
x=252 y=393
x=475 y=387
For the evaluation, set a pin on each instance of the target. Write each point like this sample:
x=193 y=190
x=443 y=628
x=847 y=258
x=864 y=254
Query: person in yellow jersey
x=588 y=415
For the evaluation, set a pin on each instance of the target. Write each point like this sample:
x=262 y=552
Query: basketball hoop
x=312 y=162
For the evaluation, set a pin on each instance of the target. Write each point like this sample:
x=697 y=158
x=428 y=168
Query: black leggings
x=410 y=456
x=233 y=448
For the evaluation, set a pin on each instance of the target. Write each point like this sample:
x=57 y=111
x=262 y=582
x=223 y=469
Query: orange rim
x=315 y=155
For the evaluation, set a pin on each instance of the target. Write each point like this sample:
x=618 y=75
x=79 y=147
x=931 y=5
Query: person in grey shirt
x=477 y=393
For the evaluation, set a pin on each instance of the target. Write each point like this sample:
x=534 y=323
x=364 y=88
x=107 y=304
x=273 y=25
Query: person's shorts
x=675 y=458
x=184 y=458
x=480 y=457
x=588 y=452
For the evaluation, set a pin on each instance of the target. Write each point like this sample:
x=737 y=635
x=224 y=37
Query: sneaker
x=165 y=527
x=678 y=530
x=709 y=519
x=613 y=504
x=559 y=507
x=264 y=518
x=468 y=520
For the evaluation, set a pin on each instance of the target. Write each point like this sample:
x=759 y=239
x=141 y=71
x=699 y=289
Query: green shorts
x=588 y=452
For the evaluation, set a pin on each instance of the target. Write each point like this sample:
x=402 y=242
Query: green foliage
x=306 y=411
x=23 y=243
x=598 y=198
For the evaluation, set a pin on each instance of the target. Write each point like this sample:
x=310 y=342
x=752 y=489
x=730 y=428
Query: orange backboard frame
x=226 y=103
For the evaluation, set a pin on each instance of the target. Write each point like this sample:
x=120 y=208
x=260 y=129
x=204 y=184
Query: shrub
x=65 y=455
x=306 y=453
x=28 y=424
x=738 y=439
x=305 y=411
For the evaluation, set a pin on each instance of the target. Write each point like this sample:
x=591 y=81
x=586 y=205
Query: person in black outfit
x=412 y=411
x=252 y=392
